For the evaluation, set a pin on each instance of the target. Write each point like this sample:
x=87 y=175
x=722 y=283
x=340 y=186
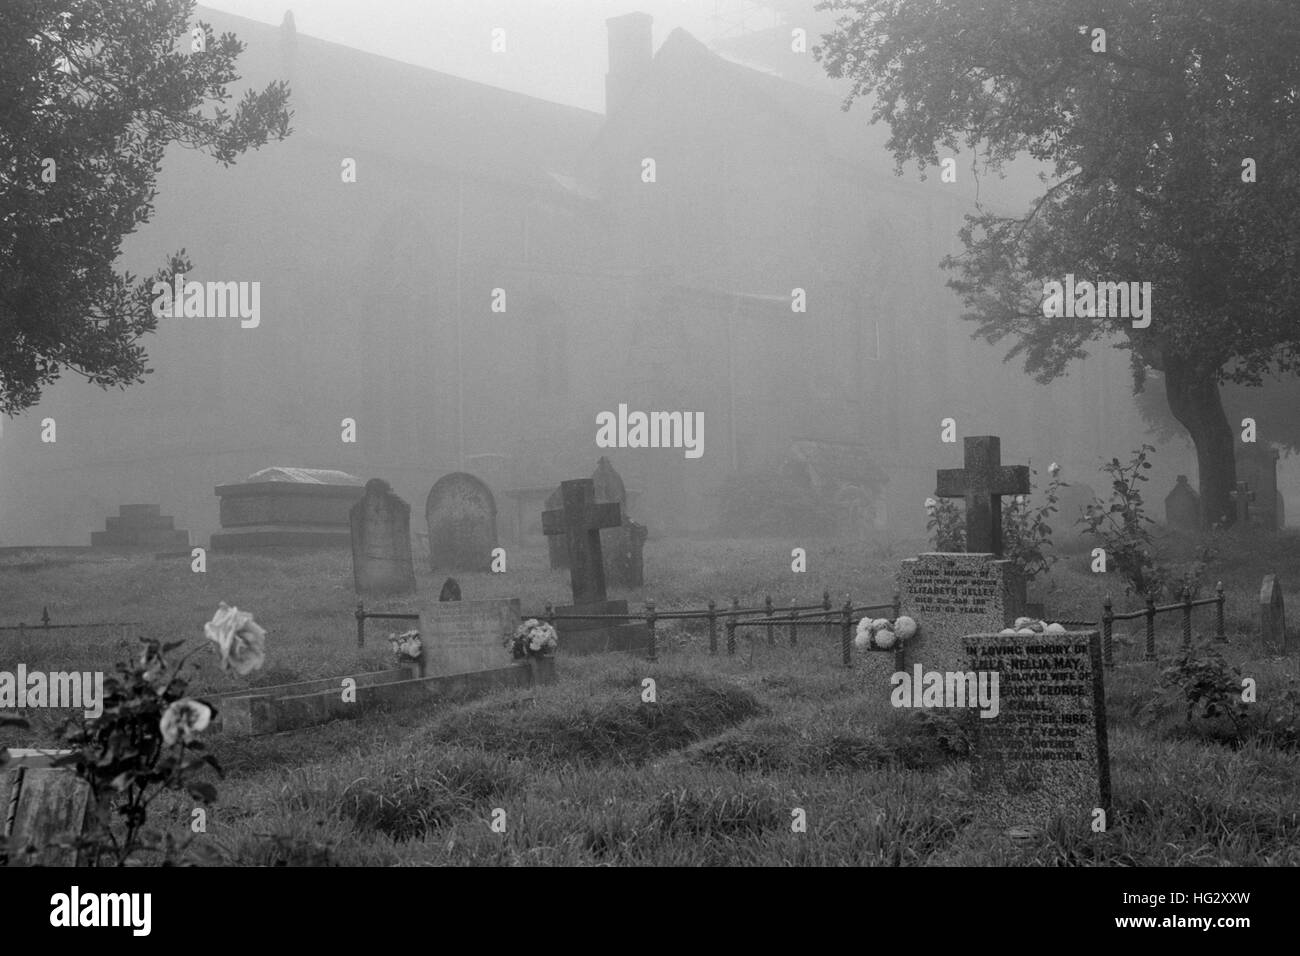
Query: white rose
x=1053 y=469
x=240 y=641
x=183 y=719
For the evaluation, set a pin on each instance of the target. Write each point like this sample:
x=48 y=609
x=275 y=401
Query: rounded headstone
x=461 y=515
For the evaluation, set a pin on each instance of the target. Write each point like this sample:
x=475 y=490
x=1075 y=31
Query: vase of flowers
x=408 y=648
x=531 y=641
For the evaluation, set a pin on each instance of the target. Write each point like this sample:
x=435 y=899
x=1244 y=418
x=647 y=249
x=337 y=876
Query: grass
x=717 y=771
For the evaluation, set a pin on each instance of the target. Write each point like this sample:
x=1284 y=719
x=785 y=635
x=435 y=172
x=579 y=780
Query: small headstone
x=1242 y=496
x=1046 y=751
x=556 y=545
x=464 y=636
x=1272 y=616
x=450 y=590
x=1256 y=465
x=381 y=542
x=952 y=595
x=609 y=483
x=462 y=518
x=624 y=549
x=1183 y=508
x=40 y=805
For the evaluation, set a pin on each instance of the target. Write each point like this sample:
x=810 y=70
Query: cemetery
x=762 y=686
x=913 y=608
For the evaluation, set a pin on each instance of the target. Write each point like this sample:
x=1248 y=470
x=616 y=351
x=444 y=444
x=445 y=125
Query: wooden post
x=1187 y=619
x=830 y=621
x=771 y=628
x=650 y=618
x=1107 y=625
x=713 y=626
x=550 y=614
x=731 y=626
x=846 y=631
x=794 y=628
x=900 y=655
x=361 y=625
x=1151 y=627
x=1218 y=613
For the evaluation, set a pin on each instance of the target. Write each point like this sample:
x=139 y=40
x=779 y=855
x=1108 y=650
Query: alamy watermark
x=1087 y=300
x=946 y=689
x=626 y=429
x=209 y=300
x=24 y=689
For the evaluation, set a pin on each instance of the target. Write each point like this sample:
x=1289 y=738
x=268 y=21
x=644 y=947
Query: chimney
x=630 y=53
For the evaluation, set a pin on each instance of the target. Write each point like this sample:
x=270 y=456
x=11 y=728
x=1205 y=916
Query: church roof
x=361 y=103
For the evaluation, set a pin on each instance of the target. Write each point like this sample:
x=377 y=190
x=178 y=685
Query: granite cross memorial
x=580 y=521
x=951 y=595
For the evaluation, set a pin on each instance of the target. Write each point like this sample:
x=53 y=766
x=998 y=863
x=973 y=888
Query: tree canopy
x=91 y=94
x=1170 y=130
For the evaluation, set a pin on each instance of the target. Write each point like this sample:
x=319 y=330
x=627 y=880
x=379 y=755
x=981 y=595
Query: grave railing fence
x=1149 y=613
x=122 y=629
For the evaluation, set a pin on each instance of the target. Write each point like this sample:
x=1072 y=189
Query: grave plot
x=463 y=647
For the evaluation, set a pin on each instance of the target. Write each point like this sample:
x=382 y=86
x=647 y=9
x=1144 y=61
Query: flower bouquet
x=407 y=646
x=883 y=634
x=533 y=638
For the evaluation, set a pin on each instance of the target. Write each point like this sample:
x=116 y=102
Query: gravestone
x=40 y=804
x=951 y=595
x=141 y=527
x=450 y=590
x=381 y=542
x=580 y=521
x=1257 y=466
x=462 y=518
x=1045 y=753
x=609 y=483
x=1272 y=616
x=556 y=547
x=1183 y=508
x=1242 y=496
x=623 y=545
x=464 y=636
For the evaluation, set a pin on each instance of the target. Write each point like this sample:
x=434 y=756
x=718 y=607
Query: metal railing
x=47 y=624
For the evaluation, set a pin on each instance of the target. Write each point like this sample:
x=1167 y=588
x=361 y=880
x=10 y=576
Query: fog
x=664 y=215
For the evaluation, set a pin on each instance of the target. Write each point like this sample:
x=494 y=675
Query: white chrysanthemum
x=863 y=640
x=931 y=505
x=905 y=628
x=1007 y=632
x=885 y=638
x=1054 y=629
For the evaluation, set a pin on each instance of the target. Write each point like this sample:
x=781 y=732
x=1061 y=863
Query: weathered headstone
x=40 y=806
x=1256 y=465
x=464 y=636
x=1272 y=616
x=1045 y=753
x=608 y=483
x=580 y=521
x=953 y=595
x=1183 y=508
x=450 y=590
x=556 y=547
x=462 y=518
x=1242 y=496
x=623 y=545
x=381 y=542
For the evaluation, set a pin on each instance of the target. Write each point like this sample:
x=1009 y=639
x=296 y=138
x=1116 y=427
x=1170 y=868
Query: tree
x=91 y=94
x=1147 y=127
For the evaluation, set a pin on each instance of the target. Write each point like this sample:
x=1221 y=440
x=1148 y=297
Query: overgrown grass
x=719 y=770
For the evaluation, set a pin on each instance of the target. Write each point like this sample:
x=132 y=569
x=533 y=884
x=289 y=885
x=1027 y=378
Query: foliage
x=1142 y=137
x=1121 y=525
x=101 y=88
x=1208 y=690
x=133 y=752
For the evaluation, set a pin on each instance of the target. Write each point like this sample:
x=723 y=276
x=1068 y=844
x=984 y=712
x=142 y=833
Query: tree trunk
x=1193 y=396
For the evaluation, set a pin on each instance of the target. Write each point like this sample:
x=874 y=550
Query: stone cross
x=580 y=522
x=1243 y=496
x=982 y=482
